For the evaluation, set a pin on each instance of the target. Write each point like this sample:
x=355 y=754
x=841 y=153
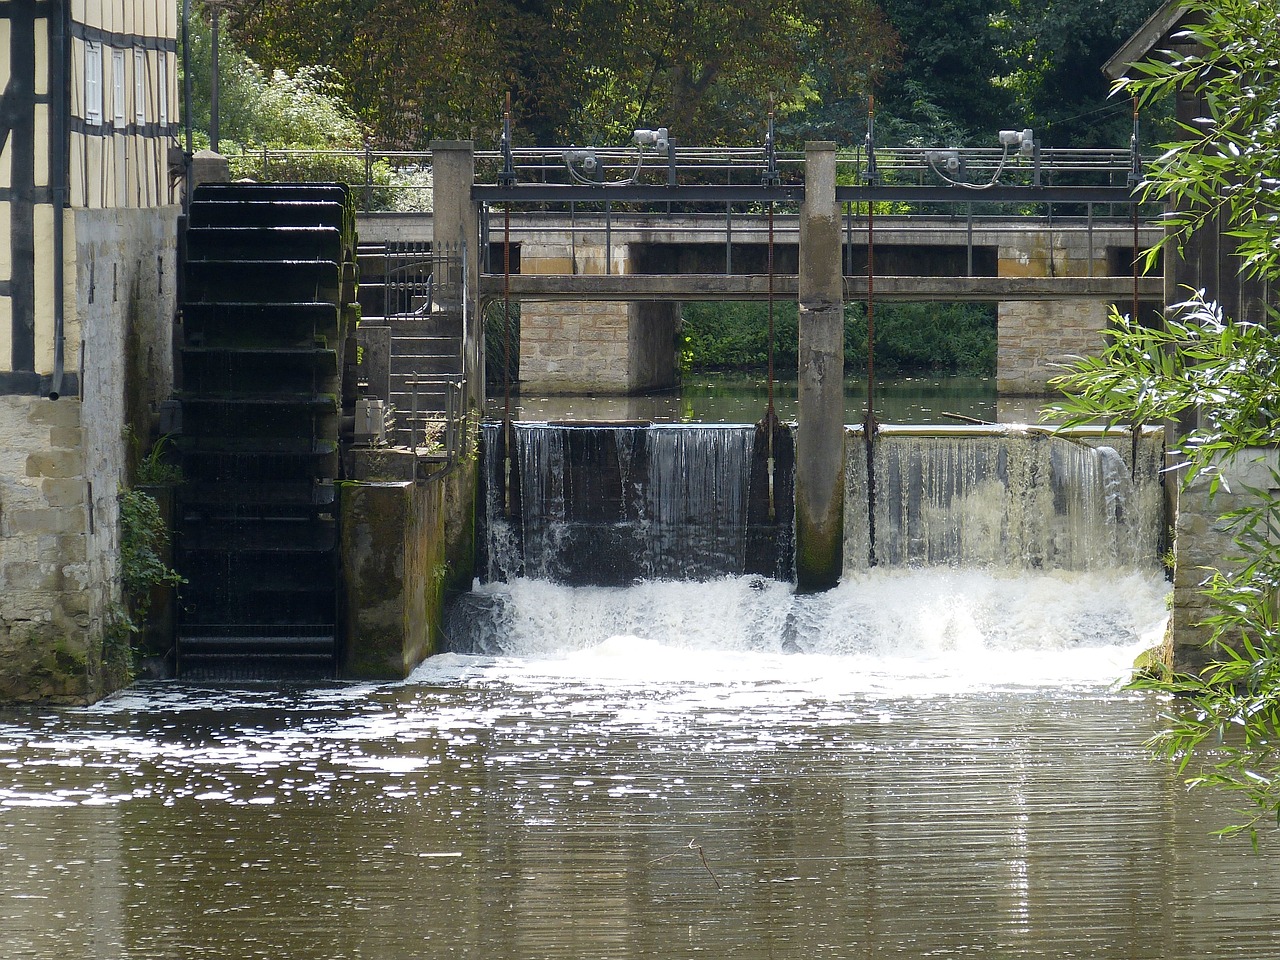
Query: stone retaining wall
x=62 y=462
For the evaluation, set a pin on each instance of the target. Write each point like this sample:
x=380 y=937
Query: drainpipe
x=59 y=149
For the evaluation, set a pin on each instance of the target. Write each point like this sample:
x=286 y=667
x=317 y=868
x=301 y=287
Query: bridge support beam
x=820 y=456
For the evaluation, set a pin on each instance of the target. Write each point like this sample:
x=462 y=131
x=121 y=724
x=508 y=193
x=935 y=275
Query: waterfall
x=1005 y=498
x=613 y=505
x=991 y=543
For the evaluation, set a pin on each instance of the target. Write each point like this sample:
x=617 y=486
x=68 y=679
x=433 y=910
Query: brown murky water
x=627 y=798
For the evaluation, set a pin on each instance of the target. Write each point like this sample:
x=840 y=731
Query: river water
x=924 y=762
x=743 y=398
x=919 y=764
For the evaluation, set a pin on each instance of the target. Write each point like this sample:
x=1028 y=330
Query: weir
x=991 y=542
x=609 y=505
x=1007 y=497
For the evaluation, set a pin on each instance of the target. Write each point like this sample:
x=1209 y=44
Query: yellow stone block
x=542 y=266
x=1026 y=266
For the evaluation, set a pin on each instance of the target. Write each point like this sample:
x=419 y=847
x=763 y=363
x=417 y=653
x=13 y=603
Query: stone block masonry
x=1203 y=544
x=47 y=604
x=1038 y=335
x=587 y=347
x=63 y=462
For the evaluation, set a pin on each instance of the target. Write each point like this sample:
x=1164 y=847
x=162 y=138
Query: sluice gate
x=269 y=274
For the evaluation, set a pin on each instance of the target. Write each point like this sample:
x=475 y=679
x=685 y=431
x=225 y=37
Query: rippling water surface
x=935 y=783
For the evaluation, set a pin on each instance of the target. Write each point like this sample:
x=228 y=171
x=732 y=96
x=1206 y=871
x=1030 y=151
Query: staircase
x=421 y=303
x=269 y=273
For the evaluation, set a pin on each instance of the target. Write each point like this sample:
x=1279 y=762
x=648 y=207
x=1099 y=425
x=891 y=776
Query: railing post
x=368 y=178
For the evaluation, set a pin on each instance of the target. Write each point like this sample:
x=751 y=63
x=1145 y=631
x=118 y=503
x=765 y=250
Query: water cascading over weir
x=609 y=505
x=270 y=271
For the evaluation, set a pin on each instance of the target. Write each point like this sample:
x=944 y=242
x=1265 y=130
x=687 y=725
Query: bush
x=911 y=338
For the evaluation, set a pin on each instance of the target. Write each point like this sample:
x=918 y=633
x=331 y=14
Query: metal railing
x=401 y=180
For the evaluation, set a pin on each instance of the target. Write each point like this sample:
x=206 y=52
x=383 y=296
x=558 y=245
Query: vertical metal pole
x=413 y=422
x=506 y=363
x=608 y=237
x=506 y=329
x=213 y=85
x=368 y=178
x=728 y=239
x=848 y=239
x=771 y=417
x=968 y=244
x=1089 y=235
x=869 y=426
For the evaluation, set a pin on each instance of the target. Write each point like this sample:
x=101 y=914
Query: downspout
x=59 y=151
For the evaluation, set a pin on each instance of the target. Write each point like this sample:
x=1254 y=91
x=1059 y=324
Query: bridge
x=601 y=248
x=614 y=281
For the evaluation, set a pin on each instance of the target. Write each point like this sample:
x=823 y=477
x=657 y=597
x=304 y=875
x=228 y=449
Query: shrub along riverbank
x=911 y=338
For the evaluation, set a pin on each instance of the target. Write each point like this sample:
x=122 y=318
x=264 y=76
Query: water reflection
x=514 y=808
x=743 y=398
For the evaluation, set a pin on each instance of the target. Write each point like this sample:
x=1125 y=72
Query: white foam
x=914 y=631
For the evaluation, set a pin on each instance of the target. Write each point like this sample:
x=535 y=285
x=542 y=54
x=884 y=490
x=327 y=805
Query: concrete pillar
x=457 y=224
x=820 y=457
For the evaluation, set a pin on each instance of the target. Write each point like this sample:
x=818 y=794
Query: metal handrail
x=699 y=165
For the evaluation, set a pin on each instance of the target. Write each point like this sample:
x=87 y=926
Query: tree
x=1225 y=728
x=946 y=91
x=302 y=109
x=586 y=70
x=1054 y=52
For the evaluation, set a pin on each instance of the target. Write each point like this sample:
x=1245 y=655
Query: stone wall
x=590 y=347
x=392 y=565
x=1202 y=544
x=406 y=543
x=1036 y=335
x=64 y=461
x=51 y=595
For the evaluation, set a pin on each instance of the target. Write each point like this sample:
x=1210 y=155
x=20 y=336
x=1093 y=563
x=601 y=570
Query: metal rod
x=728 y=238
x=968 y=241
x=413 y=421
x=869 y=427
x=770 y=416
x=506 y=327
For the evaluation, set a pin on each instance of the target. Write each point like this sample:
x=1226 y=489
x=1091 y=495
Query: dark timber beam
x=18 y=142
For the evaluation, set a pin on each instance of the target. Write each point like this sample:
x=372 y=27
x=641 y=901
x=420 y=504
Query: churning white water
x=904 y=631
x=974 y=558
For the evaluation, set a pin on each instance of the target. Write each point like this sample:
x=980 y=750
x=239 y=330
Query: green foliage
x=1224 y=730
x=302 y=107
x=940 y=338
x=736 y=335
x=1054 y=51
x=1228 y=162
x=501 y=334
x=156 y=467
x=910 y=337
x=578 y=71
x=143 y=537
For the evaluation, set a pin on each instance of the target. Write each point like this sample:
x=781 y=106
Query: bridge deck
x=680 y=287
